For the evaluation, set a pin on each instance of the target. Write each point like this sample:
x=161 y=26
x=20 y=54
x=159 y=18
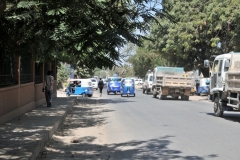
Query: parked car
x=140 y=81
x=136 y=81
x=94 y=83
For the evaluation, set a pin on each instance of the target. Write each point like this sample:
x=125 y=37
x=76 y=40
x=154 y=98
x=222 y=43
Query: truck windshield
x=215 y=67
x=150 y=78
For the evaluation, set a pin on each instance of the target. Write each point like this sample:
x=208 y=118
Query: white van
x=136 y=81
x=140 y=82
x=147 y=84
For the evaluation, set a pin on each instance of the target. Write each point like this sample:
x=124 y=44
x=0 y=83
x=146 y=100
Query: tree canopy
x=200 y=29
x=87 y=33
x=145 y=60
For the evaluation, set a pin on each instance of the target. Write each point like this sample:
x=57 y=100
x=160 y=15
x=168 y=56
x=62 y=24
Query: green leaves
x=202 y=29
x=84 y=33
x=27 y=4
x=57 y=11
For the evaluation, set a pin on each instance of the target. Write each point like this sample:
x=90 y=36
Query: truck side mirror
x=206 y=63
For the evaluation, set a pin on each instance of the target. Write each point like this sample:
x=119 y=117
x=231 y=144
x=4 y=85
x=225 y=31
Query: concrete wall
x=21 y=98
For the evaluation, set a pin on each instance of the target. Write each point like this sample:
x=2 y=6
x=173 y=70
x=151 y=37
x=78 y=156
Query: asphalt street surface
x=142 y=127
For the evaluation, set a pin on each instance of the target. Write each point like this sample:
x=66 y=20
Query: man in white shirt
x=48 y=85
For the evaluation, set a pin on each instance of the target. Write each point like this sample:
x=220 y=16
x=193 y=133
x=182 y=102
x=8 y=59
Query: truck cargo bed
x=174 y=81
x=233 y=81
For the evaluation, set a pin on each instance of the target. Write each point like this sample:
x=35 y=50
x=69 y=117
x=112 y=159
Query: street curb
x=47 y=136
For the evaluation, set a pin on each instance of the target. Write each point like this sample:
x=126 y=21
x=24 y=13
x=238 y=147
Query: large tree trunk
x=2 y=6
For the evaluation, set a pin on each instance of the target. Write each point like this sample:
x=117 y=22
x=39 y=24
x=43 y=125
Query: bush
x=63 y=75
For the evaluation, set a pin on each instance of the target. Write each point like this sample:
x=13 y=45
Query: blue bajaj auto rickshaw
x=128 y=87
x=114 y=85
x=203 y=88
x=80 y=87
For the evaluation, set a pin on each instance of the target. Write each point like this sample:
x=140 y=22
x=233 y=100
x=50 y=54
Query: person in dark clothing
x=48 y=86
x=100 y=86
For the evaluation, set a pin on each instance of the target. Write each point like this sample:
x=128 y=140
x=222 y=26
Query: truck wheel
x=162 y=97
x=154 y=93
x=217 y=108
x=184 y=97
x=154 y=96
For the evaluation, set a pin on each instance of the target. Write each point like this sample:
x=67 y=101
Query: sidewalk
x=23 y=137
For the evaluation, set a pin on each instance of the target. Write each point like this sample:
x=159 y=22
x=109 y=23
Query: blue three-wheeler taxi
x=203 y=88
x=114 y=85
x=128 y=87
x=80 y=87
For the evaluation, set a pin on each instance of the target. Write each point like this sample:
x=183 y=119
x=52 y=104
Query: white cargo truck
x=170 y=81
x=225 y=82
x=147 y=84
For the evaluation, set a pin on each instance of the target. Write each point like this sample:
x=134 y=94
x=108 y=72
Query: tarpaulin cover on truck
x=175 y=71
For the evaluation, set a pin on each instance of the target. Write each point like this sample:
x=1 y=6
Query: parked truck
x=170 y=81
x=225 y=82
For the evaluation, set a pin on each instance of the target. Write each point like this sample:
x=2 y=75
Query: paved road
x=114 y=127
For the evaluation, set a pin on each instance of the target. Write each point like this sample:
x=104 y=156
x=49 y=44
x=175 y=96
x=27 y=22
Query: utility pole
x=228 y=29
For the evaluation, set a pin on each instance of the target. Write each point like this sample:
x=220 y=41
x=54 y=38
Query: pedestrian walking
x=100 y=86
x=48 y=86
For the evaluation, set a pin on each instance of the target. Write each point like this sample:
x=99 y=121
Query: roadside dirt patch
x=82 y=134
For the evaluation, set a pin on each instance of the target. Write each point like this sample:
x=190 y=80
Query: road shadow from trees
x=90 y=113
x=136 y=150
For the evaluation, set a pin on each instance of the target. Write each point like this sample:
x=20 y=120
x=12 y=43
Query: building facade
x=21 y=83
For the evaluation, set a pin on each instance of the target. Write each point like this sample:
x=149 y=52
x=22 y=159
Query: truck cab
x=147 y=84
x=225 y=82
x=219 y=68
